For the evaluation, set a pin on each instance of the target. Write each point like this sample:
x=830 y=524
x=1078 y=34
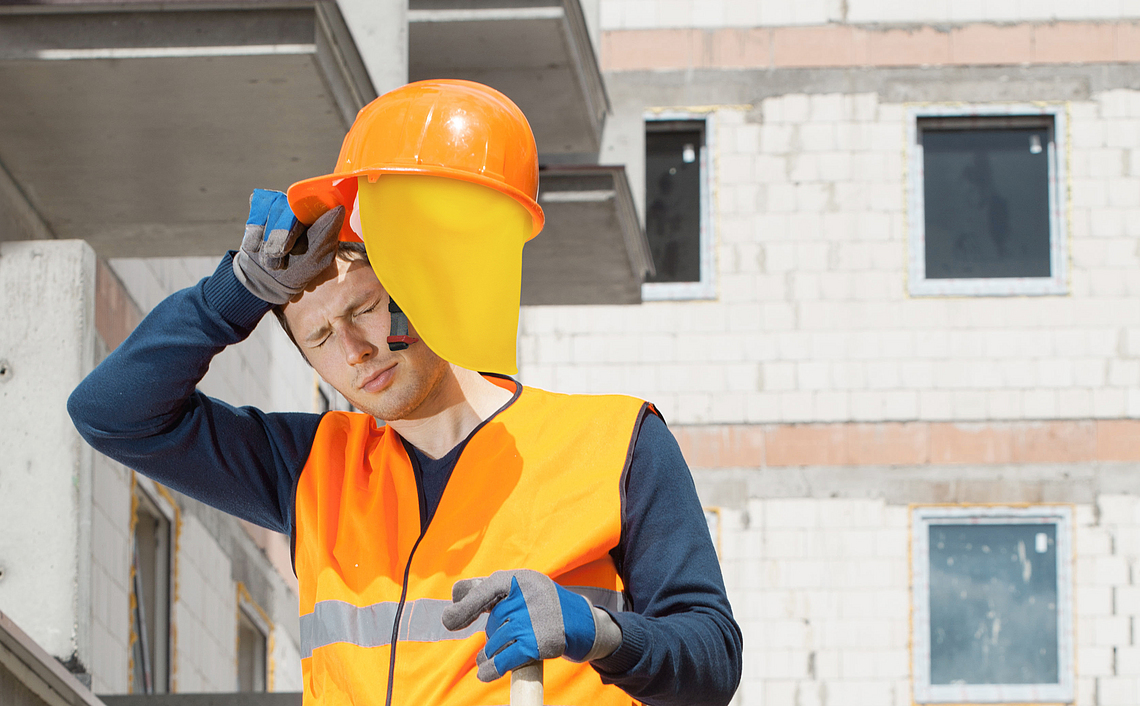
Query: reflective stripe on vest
x=421 y=621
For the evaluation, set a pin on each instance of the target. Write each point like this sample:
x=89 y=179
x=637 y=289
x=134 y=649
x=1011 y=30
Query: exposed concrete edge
x=378 y=34
x=340 y=63
x=38 y=670
x=32 y=221
x=915 y=443
x=902 y=485
x=747 y=87
x=636 y=242
x=589 y=68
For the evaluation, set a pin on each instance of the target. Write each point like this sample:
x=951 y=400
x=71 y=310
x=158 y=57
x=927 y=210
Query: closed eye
x=371 y=308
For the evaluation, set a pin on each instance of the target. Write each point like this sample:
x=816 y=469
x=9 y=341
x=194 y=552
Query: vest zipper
x=424 y=528
x=396 y=623
x=407 y=572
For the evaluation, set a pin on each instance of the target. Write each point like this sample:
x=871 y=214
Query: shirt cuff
x=229 y=297
x=631 y=650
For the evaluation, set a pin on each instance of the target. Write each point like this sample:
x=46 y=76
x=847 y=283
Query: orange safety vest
x=537 y=487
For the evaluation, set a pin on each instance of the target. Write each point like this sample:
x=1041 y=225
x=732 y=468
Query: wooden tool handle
x=526 y=685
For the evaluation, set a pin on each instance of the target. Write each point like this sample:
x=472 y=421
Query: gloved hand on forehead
x=279 y=256
x=530 y=618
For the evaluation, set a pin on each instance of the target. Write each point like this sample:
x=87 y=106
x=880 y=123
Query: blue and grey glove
x=279 y=256
x=530 y=618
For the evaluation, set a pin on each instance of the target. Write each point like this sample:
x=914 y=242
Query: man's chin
x=384 y=406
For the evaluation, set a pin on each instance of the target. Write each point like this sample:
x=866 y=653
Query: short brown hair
x=347 y=251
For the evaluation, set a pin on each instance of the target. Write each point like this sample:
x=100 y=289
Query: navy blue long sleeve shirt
x=140 y=406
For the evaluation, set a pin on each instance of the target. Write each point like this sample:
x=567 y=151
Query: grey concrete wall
x=46 y=347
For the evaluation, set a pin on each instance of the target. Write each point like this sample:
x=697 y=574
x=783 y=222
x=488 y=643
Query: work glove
x=530 y=618
x=279 y=256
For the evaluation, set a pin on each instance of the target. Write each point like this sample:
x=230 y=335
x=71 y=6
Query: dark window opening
x=986 y=196
x=673 y=167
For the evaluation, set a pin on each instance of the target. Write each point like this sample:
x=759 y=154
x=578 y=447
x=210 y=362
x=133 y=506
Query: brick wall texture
x=813 y=322
x=821 y=590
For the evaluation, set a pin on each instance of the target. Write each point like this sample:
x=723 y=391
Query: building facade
x=894 y=325
x=904 y=368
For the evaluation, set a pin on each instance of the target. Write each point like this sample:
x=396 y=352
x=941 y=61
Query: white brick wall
x=652 y=14
x=813 y=321
x=821 y=589
x=205 y=615
x=110 y=569
x=286 y=663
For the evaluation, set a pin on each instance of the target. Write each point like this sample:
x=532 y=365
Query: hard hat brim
x=311 y=198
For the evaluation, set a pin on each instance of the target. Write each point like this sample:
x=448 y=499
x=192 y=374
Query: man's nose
x=357 y=348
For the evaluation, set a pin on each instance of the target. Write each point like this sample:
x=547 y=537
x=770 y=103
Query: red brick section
x=115 y=312
x=839 y=45
x=909 y=443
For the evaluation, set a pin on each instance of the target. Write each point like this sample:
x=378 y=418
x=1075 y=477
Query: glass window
x=676 y=209
x=150 y=593
x=992 y=598
x=984 y=205
x=251 y=652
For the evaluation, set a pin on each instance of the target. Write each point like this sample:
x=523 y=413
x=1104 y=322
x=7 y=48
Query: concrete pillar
x=380 y=30
x=591 y=9
x=47 y=345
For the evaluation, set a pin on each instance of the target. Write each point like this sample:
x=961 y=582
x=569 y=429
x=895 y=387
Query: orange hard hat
x=444 y=127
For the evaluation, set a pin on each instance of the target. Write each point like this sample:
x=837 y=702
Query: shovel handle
x=526 y=685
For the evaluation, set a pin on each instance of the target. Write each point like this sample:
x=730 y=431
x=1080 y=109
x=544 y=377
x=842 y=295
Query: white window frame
x=1061 y=516
x=706 y=287
x=1058 y=282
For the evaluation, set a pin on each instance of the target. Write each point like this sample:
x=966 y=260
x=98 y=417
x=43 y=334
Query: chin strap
x=399 y=338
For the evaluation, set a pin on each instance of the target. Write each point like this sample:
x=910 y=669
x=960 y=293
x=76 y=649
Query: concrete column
x=47 y=345
x=591 y=9
x=380 y=30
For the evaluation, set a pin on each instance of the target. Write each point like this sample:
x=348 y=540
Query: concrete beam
x=380 y=30
x=712 y=87
x=23 y=220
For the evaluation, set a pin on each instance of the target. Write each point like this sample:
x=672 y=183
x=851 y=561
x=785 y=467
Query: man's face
x=341 y=324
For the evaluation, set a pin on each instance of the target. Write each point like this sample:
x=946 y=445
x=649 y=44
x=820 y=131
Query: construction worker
x=461 y=525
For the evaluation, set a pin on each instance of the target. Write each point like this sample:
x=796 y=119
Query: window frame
x=258 y=619
x=706 y=287
x=147 y=491
x=1058 y=198
x=921 y=517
